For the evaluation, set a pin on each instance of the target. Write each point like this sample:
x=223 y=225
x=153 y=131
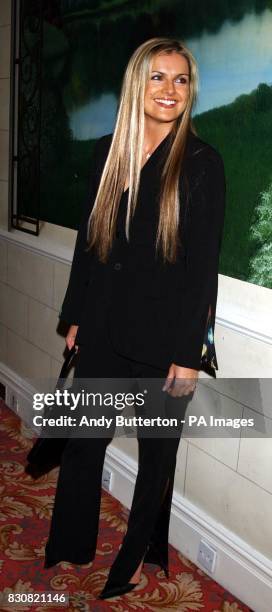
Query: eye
x=182 y=80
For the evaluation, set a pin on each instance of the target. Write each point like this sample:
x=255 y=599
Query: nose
x=169 y=87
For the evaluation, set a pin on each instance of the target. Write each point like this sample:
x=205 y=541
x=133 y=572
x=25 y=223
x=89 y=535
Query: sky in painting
x=231 y=62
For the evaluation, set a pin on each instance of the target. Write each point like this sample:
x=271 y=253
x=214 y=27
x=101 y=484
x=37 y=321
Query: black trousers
x=75 y=519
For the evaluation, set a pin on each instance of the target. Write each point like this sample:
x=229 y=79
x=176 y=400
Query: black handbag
x=46 y=453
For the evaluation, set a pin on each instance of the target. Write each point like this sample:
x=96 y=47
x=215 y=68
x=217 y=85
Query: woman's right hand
x=70 y=338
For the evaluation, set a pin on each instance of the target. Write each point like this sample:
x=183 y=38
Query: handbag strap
x=66 y=367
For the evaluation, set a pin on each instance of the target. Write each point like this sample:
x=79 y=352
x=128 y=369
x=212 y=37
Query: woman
x=141 y=297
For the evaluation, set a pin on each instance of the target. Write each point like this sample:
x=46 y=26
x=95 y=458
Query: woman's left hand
x=180 y=381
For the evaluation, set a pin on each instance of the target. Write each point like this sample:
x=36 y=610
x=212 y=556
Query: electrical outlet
x=106 y=479
x=206 y=556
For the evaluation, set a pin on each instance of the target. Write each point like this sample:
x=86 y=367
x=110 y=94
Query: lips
x=166 y=102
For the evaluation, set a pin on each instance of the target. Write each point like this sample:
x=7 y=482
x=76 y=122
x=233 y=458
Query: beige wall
x=230 y=479
x=31 y=289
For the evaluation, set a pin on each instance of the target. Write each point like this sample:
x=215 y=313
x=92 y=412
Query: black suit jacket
x=156 y=312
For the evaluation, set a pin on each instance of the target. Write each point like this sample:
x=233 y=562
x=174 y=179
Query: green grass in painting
x=240 y=131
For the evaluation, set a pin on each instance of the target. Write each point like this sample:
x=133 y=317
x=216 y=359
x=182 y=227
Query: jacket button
x=117 y=266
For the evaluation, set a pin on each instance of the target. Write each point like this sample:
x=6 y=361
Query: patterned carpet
x=26 y=507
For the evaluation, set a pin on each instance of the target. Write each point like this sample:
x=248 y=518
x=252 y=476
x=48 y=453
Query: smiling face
x=167 y=90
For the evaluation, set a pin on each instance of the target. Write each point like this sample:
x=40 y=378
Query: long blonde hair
x=124 y=160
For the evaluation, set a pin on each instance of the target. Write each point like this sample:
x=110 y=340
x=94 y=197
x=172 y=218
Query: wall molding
x=244 y=331
x=243 y=307
x=54 y=242
x=240 y=569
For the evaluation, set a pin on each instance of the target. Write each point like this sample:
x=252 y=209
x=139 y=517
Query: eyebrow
x=176 y=75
